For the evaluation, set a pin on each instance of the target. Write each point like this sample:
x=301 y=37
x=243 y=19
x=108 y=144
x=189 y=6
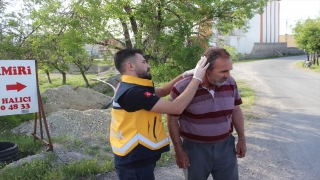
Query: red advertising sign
x=18 y=87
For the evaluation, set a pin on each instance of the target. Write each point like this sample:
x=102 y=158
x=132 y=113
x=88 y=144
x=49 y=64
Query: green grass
x=247 y=94
x=27 y=145
x=47 y=169
x=248 y=97
x=313 y=67
x=74 y=80
x=9 y=122
x=166 y=158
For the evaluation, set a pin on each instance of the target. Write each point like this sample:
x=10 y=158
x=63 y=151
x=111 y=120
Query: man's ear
x=130 y=65
x=209 y=70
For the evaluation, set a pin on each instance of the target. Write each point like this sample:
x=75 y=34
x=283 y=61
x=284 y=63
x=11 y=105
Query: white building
x=263 y=28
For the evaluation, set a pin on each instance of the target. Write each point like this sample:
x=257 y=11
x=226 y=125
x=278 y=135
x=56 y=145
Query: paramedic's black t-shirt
x=138 y=98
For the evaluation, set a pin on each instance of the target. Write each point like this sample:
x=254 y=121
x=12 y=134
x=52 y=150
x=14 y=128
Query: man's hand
x=182 y=159
x=241 y=148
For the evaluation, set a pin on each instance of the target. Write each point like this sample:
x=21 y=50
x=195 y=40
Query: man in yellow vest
x=137 y=135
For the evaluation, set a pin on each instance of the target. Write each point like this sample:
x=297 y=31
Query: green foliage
x=165 y=30
x=307 y=36
x=233 y=52
x=163 y=72
x=16 y=28
x=187 y=57
x=182 y=59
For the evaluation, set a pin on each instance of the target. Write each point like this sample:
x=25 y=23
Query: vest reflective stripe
x=115 y=104
x=143 y=140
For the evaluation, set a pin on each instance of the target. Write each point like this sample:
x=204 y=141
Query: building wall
x=289 y=39
x=93 y=50
x=270 y=22
x=263 y=28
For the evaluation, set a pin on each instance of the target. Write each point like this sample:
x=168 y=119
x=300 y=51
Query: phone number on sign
x=16 y=106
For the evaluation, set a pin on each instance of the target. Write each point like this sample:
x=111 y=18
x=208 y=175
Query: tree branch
x=126 y=34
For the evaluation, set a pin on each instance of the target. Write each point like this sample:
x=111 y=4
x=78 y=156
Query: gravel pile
x=70 y=122
x=69 y=97
x=71 y=111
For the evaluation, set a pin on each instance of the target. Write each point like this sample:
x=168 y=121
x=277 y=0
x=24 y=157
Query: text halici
x=16 y=100
x=15 y=70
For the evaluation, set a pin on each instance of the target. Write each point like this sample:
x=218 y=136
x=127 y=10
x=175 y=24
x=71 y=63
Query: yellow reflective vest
x=130 y=129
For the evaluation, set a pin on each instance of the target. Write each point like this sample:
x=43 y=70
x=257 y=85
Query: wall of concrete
x=93 y=69
x=263 y=50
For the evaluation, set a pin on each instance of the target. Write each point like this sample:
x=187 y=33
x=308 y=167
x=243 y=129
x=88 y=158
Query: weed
x=93 y=150
x=166 y=158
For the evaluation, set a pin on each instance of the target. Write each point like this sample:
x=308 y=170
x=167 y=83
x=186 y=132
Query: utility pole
x=287 y=24
x=287 y=31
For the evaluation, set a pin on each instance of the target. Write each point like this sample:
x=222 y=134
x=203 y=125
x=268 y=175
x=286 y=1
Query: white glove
x=200 y=69
x=188 y=73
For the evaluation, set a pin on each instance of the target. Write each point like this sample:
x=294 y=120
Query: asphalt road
x=285 y=142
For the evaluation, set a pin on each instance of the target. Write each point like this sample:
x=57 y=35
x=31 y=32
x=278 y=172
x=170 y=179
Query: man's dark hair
x=213 y=53
x=124 y=55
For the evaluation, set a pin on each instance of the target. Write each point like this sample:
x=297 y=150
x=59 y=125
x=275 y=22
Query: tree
x=68 y=26
x=15 y=29
x=307 y=36
x=172 y=33
x=162 y=27
x=181 y=29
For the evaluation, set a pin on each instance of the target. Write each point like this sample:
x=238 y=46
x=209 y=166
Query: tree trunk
x=126 y=34
x=85 y=77
x=48 y=76
x=64 y=77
